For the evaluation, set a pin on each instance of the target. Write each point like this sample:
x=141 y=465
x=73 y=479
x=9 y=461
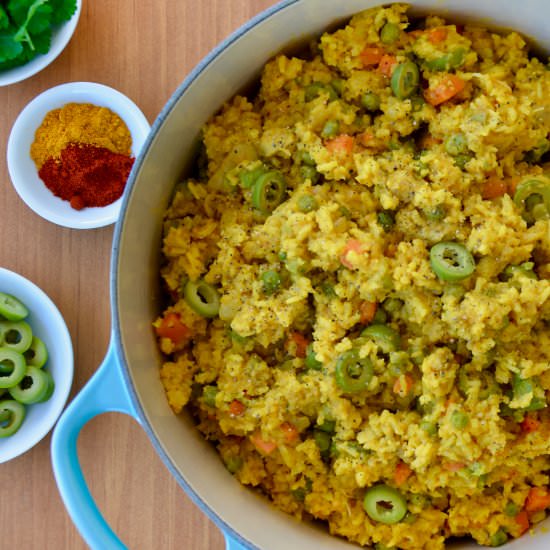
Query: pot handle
x=233 y=544
x=106 y=391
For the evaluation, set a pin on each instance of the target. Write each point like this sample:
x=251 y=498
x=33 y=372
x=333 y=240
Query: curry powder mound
x=79 y=123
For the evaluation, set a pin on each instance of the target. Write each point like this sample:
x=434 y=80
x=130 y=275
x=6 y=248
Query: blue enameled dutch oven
x=128 y=379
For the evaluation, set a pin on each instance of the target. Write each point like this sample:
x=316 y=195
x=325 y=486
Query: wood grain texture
x=143 y=48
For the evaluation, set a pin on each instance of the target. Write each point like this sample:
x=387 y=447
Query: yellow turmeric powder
x=82 y=123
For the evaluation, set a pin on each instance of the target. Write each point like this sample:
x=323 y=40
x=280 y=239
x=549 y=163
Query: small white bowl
x=61 y=35
x=23 y=172
x=47 y=323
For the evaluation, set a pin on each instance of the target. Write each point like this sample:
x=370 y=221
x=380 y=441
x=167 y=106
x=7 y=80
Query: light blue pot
x=128 y=380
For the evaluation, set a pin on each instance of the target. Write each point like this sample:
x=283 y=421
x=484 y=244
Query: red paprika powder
x=86 y=175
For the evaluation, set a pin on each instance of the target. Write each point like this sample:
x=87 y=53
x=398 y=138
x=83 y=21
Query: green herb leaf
x=4 y=19
x=9 y=48
x=62 y=10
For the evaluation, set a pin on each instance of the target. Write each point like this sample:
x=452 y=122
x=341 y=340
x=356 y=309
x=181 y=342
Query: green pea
x=327 y=289
x=390 y=33
x=234 y=464
x=352 y=373
x=307 y=158
x=370 y=101
x=386 y=218
x=451 y=261
x=446 y=62
x=309 y=173
x=271 y=281
x=385 y=337
x=380 y=317
x=311 y=361
x=392 y=305
x=499 y=538
x=459 y=420
x=511 y=509
x=429 y=427
x=337 y=84
x=417 y=103
x=330 y=129
x=456 y=144
x=268 y=191
x=315 y=89
x=437 y=213
x=306 y=203
x=385 y=504
x=404 y=80
x=202 y=297
x=462 y=160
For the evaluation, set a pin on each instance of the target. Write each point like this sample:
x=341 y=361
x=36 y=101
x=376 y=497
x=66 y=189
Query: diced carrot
x=342 y=144
x=494 y=187
x=537 y=500
x=437 y=35
x=265 y=447
x=454 y=466
x=387 y=64
x=403 y=385
x=290 y=432
x=371 y=55
x=402 y=473
x=172 y=327
x=297 y=344
x=353 y=245
x=450 y=86
x=529 y=424
x=365 y=138
x=236 y=408
x=522 y=519
x=368 y=311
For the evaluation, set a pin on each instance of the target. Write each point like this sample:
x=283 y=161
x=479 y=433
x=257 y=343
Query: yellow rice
x=374 y=213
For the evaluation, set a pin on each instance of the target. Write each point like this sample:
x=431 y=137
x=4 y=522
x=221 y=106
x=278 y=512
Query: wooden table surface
x=144 y=48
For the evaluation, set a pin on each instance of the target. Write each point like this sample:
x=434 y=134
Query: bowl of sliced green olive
x=36 y=364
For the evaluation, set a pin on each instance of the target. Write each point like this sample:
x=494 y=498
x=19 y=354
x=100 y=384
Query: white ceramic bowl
x=22 y=169
x=60 y=38
x=48 y=324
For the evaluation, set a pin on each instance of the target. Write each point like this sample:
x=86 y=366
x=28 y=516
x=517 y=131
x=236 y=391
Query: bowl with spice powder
x=71 y=150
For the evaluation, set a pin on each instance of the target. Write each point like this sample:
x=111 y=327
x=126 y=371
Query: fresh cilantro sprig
x=26 y=28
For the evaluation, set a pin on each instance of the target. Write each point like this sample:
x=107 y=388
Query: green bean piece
x=307 y=158
x=352 y=373
x=385 y=337
x=370 y=101
x=315 y=89
x=532 y=197
x=330 y=129
x=451 y=60
x=37 y=354
x=456 y=144
x=386 y=219
x=14 y=367
x=16 y=413
x=248 y=177
x=337 y=84
x=209 y=395
x=271 y=281
x=437 y=213
x=323 y=441
x=268 y=191
x=380 y=317
x=306 y=203
x=202 y=297
x=15 y=335
x=385 y=504
x=451 y=261
x=309 y=173
x=389 y=33
x=459 y=420
x=11 y=308
x=311 y=361
x=404 y=80
x=32 y=388
x=499 y=538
